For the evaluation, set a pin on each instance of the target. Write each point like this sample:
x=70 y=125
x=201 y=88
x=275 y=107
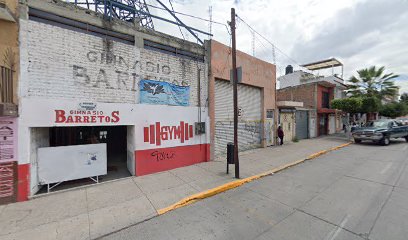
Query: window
x=6 y=84
x=325 y=100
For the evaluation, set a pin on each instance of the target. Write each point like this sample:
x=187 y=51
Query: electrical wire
x=191 y=16
x=172 y=8
x=264 y=38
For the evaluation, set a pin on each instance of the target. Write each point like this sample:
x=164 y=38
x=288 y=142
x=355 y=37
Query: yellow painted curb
x=225 y=187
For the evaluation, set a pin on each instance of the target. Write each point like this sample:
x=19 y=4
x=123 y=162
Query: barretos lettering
x=83 y=116
x=156 y=133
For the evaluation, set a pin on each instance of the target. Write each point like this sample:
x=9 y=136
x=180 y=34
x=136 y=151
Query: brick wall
x=302 y=93
x=177 y=70
x=61 y=63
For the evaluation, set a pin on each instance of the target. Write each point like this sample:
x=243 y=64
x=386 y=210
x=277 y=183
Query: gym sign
x=155 y=133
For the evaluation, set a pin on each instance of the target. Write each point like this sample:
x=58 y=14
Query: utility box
x=199 y=128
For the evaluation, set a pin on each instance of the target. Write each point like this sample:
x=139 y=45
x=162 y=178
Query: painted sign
x=168 y=138
x=43 y=112
x=157 y=133
x=168 y=126
x=164 y=93
x=7 y=139
x=8 y=182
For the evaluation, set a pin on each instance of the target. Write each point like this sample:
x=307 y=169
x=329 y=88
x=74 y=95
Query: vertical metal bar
x=235 y=88
x=1 y=84
x=199 y=87
x=11 y=86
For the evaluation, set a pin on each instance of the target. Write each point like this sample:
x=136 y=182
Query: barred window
x=6 y=84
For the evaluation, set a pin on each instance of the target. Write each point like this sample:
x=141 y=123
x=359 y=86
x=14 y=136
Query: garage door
x=249 y=120
x=301 y=124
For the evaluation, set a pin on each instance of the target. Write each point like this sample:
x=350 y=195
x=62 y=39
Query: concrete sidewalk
x=93 y=211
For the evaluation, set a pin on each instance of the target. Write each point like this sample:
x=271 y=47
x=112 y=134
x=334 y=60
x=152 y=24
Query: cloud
x=369 y=33
x=360 y=33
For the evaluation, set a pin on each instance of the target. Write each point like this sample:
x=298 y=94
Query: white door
x=269 y=127
x=287 y=122
x=332 y=124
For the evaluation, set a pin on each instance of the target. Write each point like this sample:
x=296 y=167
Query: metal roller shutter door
x=249 y=123
x=301 y=124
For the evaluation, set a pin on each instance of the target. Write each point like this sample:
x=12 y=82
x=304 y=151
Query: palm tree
x=372 y=82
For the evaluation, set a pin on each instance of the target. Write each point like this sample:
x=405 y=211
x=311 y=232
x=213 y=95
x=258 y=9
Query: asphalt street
x=358 y=192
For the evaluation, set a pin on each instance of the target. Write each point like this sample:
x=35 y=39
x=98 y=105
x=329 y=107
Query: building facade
x=10 y=186
x=256 y=101
x=316 y=98
x=137 y=96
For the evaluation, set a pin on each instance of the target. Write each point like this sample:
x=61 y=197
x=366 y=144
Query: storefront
x=99 y=107
x=135 y=139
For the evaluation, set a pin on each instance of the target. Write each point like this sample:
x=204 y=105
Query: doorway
x=115 y=138
x=323 y=122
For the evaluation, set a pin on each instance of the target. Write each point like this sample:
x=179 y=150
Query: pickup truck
x=381 y=131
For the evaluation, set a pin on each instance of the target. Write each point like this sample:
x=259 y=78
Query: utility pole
x=235 y=90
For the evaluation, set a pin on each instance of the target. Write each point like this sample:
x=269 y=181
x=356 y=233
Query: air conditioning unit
x=8 y=110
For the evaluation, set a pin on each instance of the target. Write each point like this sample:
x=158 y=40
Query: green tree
x=373 y=82
x=404 y=98
x=357 y=104
x=370 y=105
x=393 y=110
x=349 y=105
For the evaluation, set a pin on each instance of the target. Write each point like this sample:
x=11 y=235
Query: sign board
x=8 y=182
x=8 y=139
x=168 y=126
x=58 y=164
x=164 y=93
x=47 y=113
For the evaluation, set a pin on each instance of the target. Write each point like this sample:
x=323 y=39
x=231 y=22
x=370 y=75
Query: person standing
x=280 y=135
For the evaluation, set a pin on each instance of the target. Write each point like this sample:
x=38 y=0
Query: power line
x=264 y=38
x=191 y=16
x=172 y=8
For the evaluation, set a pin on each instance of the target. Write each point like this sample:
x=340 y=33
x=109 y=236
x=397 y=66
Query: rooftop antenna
x=210 y=23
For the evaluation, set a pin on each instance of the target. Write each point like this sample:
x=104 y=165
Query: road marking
x=338 y=229
x=225 y=187
x=386 y=168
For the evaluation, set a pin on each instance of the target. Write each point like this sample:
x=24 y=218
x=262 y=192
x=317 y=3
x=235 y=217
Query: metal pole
x=235 y=87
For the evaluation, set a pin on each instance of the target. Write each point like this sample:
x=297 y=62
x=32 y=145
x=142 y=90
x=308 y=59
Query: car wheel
x=357 y=140
x=385 y=141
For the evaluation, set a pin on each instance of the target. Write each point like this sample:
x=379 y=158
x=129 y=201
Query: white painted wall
x=39 y=137
x=75 y=66
x=61 y=68
x=62 y=63
x=292 y=79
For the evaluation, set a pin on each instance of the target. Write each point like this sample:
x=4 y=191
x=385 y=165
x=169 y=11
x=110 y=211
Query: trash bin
x=230 y=153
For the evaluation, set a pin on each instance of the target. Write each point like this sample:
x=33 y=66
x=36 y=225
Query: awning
x=329 y=63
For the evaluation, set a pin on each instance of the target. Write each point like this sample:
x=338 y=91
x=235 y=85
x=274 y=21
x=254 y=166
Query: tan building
x=256 y=101
x=10 y=189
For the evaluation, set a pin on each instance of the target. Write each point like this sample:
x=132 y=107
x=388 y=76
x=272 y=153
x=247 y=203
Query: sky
x=360 y=33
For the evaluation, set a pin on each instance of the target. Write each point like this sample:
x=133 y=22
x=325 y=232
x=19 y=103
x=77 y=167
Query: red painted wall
x=162 y=159
x=23 y=182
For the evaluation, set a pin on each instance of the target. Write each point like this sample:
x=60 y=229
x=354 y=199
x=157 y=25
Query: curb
x=225 y=187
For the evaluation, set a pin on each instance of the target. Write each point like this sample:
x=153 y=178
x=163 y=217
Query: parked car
x=403 y=120
x=381 y=131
